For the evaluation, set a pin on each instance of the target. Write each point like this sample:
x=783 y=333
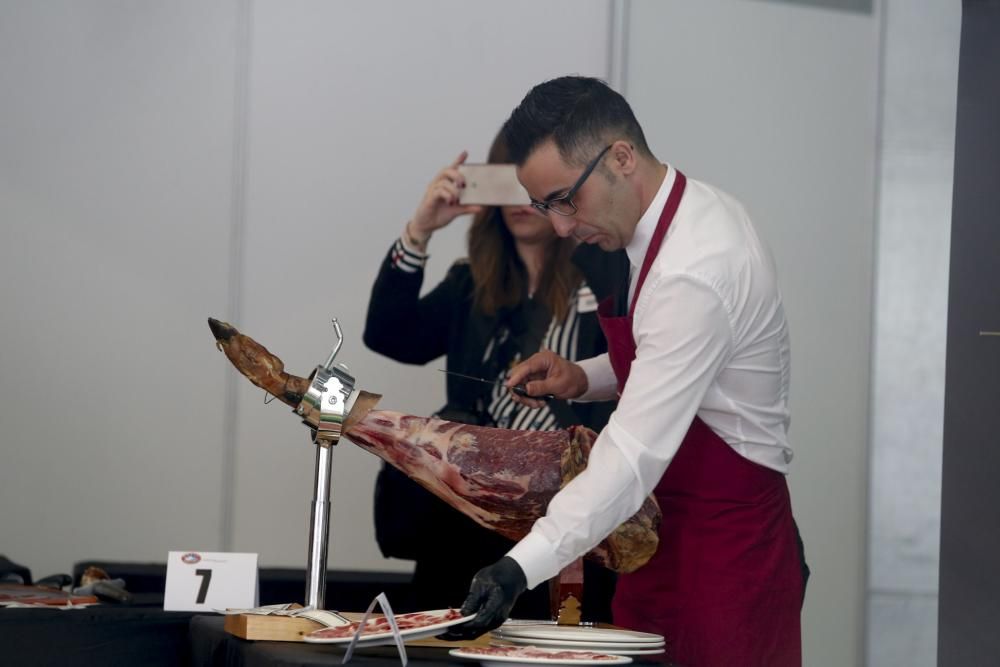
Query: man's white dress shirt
x=711 y=340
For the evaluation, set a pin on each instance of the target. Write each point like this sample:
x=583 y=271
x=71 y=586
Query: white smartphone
x=492 y=185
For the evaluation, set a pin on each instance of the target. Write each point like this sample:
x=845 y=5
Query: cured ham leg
x=502 y=479
x=259 y=366
x=268 y=371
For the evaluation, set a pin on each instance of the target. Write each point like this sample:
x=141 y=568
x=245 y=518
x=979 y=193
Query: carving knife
x=517 y=389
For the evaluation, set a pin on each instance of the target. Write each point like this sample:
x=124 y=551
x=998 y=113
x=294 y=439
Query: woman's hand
x=546 y=372
x=440 y=204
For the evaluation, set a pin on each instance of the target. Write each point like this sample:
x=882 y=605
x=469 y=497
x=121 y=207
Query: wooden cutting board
x=289 y=629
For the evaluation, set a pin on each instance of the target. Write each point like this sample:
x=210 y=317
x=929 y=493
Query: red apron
x=725 y=586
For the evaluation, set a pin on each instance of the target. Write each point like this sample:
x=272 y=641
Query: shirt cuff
x=537 y=559
x=602 y=385
x=407 y=259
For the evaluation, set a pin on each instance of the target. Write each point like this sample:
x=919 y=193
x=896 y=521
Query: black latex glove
x=492 y=594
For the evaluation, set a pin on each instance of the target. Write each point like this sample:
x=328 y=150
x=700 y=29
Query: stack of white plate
x=580 y=638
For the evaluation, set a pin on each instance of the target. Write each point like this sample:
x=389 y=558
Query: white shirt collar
x=636 y=249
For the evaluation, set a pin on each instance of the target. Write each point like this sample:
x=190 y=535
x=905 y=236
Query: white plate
x=579 y=645
x=511 y=660
x=379 y=638
x=637 y=651
x=577 y=633
x=603 y=648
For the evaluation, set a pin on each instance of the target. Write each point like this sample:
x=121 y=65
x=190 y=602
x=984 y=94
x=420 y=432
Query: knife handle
x=521 y=391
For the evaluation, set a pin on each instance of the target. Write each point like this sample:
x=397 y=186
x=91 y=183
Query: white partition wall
x=354 y=108
x=164 y=162
x=918 y=101
x=776 y=103
x=115 y=171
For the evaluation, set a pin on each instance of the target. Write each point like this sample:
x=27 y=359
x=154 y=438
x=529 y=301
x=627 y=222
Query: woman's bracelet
x=416 y=243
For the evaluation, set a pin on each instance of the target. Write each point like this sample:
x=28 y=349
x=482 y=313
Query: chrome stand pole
x=319 y=529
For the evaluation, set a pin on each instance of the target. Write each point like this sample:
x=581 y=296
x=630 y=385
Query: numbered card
x=210 y=581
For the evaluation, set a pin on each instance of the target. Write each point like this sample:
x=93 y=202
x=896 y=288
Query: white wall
x=143 y=188
x=776 y=104
x=352 y=114
x=920 y=79
x=144 y=185
x=115 y=171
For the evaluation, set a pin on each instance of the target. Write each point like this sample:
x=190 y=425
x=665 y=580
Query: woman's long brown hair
x=499 y=275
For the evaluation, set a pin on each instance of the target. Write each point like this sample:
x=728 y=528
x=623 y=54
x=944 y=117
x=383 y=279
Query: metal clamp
x=329 y=398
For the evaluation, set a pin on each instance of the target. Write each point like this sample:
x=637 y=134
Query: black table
x=211 y=646
x=140 y=633
x=345 y=589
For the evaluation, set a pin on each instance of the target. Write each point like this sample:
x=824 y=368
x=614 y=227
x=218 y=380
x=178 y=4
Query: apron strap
x=666 y=217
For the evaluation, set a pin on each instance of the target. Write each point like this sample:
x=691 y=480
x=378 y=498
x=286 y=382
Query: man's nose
x=564 y=226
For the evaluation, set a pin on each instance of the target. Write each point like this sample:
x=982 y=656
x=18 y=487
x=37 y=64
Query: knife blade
x=517 y=389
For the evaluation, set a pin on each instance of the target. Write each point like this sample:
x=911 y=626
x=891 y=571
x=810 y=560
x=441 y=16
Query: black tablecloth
x=140 y=633
x=211 y=646
x=345 y=589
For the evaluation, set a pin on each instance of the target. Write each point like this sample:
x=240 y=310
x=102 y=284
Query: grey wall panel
x=777 y=105
x=970 y=503
x=115 y=150
x=845 y=5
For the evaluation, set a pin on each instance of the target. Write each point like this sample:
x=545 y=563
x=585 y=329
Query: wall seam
x=237 y=234
x=618 y=18
x=880 y=9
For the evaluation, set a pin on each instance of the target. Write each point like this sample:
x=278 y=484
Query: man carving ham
x=699 y=355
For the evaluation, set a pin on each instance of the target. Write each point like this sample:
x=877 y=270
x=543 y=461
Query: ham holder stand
x=324 y=408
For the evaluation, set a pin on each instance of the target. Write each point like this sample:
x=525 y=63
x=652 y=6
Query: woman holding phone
x=521 y=289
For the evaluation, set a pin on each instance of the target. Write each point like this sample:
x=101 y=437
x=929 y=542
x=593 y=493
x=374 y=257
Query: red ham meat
x=380 y=625
x=534 y=653
x=502 y=479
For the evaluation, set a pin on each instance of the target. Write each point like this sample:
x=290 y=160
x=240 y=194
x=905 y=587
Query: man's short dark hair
x=580 y=114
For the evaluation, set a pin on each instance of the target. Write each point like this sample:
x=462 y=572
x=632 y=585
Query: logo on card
x=191 y=558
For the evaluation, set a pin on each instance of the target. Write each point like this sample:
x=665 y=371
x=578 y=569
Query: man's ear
x=624 y=157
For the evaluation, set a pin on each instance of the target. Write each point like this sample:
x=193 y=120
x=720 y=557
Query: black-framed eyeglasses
x=563 y=204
